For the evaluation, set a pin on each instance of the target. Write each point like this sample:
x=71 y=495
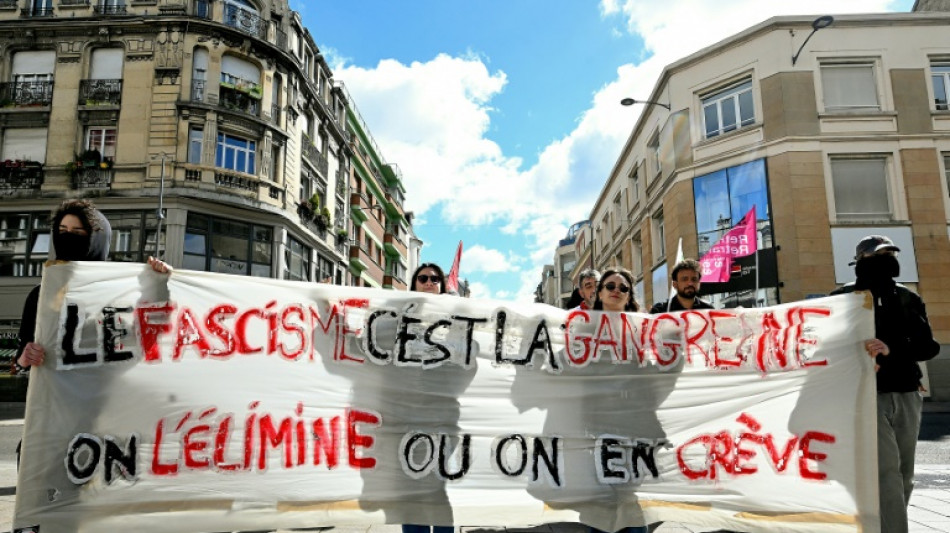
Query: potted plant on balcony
x=323 y=218
x=341 y=234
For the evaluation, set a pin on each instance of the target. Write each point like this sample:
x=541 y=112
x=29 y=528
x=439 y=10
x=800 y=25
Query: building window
x=133 y=235
x=221 y=245
x=235 y=153
x=24 y=243
x=849 y=87
x=653 y=147
x=617 y=215
x=940 y=74
x=946 y=170
x=325 y=270
x=636 y=256
x=195 y=145
x=659 y=238
x=297 y=260
x=101 y=140
x=728 y=110
x=860 y=188
x=634 y=188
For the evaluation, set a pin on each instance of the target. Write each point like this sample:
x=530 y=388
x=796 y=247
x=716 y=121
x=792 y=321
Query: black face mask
x=71 y=247
x=878 y=267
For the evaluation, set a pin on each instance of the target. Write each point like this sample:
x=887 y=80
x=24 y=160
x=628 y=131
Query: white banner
x=205 y=402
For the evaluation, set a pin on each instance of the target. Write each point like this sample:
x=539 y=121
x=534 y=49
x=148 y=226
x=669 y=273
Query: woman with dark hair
x=428 y=278
x=615 y=294
x=615 y=291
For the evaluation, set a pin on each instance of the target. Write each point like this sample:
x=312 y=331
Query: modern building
x=224 y=113
x=844 y=137
x=379 y=254
x=558 y=284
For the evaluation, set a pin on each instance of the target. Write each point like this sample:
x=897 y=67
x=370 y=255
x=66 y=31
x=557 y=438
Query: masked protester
x=80 y=233
x=902 y=338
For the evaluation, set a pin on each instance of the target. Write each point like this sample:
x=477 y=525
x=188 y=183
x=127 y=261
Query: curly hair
x=82 y=209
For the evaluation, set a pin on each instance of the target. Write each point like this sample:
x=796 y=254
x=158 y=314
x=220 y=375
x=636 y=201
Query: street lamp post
x=631 y=101
x=817 y=24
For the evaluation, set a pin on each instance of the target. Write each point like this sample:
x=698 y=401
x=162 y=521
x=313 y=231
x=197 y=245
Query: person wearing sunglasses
x=615 y=291
x=428 y=278
x=615 y=294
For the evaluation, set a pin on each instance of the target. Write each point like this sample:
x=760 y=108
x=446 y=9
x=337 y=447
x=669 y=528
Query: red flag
x=740 y=241
x=452 y=280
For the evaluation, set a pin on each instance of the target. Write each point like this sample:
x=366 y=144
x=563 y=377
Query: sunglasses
x=611 y=286
x=423 y=278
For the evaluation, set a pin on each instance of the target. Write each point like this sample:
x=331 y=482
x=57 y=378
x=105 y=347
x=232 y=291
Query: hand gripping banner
x=205 y=402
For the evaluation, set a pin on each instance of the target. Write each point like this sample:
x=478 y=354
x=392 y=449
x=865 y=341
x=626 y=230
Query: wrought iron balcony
x=20 y=176
x=93 y=178
x=100 y=92
x=109 y=9
x=23 y=93
x=73 y=3
x=244 y=20
x=312 y=154
x=202 y=9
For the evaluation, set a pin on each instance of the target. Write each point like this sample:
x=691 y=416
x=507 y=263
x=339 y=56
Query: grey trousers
x=898 y=424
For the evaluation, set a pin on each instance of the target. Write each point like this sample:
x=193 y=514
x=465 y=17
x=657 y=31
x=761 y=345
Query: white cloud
x=479 y=290
x=481 y=259
x=433 y=119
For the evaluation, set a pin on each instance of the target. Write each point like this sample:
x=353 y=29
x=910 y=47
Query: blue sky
x=503 y=115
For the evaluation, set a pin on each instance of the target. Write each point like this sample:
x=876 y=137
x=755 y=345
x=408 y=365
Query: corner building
x=851 y=139
x=225 y=109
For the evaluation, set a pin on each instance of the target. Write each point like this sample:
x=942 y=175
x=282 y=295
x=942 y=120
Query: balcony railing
x=312 y=154
x=93 y=178
x=198 y=90
x=235 y=100
x=235 y=181
x=244 y=20
x=36 y=12
x=109 y=9
x=201 y=8
x=22 y=93
x=20 y=175
x=73 y=3
x=100 y=92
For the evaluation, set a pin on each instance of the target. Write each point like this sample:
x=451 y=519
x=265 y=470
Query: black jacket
x=99 y=243
x=675 y=305
x=900 y=321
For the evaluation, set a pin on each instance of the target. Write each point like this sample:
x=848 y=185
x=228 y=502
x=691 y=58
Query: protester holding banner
x=903 y=337
x=80 y=233
x=428 y=278
x=686 y=280
x=615 y=291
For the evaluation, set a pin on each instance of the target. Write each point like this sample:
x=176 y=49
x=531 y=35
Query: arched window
x=199 y=73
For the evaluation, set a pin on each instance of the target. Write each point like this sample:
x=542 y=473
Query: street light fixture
x=817 y=24
x=631 y=101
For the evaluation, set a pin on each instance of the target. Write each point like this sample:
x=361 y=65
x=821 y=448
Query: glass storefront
x=722 y=199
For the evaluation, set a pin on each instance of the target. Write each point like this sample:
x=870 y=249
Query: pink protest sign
x=740 y=241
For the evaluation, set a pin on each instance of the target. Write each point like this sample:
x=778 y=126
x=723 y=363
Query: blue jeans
x=412 y=528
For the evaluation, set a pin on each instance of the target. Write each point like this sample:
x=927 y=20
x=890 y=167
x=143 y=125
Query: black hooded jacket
x=900 y=321
x=100 y=239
